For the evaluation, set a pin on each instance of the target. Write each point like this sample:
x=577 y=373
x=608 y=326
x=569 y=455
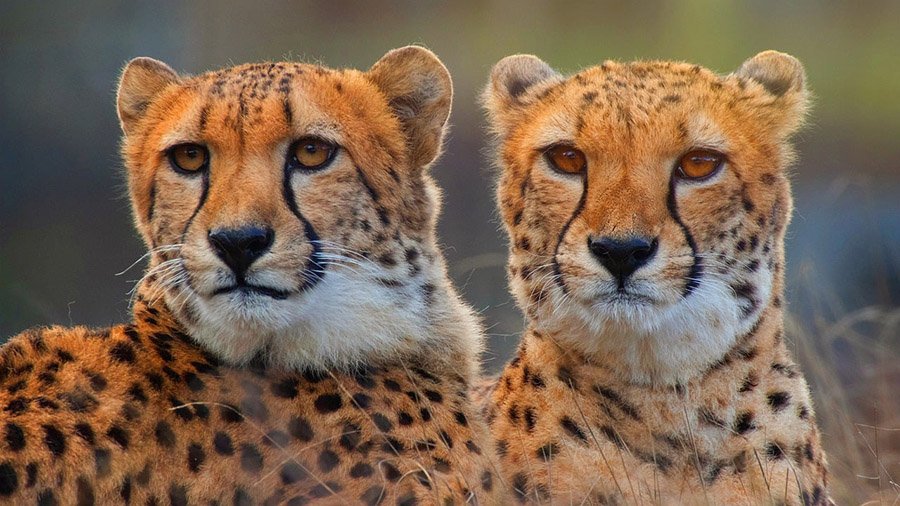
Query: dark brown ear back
x=142 y=79
x=419 y=91
x=779 y=73
x=783 y=77
x=512 y=76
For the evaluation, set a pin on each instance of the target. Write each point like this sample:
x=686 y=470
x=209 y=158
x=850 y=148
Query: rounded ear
x=783 y=77
x=419 y=92
x=510 y=79
x=142 y=79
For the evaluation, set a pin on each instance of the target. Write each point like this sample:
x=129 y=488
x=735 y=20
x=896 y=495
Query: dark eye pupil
x=310 y=148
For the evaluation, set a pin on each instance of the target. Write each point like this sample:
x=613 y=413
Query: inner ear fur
x=783 y=77
x=419 y=91
x=142 y=79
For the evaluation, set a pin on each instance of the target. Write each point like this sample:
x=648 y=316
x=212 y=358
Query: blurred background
x=65 y=224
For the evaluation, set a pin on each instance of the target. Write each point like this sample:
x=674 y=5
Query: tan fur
x=677 y=388
x=351 y=388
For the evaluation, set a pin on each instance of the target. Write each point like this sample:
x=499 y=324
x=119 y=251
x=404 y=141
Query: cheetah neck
x=759 y=349
x=448 y=341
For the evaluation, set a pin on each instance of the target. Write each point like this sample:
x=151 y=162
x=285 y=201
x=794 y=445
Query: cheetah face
x=286 y=205
x=646 y=202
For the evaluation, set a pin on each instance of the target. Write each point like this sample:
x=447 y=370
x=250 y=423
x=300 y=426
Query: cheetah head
x=287 y=206
x=646 y=202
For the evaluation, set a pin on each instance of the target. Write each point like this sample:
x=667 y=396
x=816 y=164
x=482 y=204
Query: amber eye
x=565 y=158
x=699 y=164
x=312 y=153
x=189 y=158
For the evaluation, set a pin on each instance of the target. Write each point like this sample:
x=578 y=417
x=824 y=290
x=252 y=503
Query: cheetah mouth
x=247 y=289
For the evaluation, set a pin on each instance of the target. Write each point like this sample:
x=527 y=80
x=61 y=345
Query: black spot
x=618 y=401
x=125 y=491
x=17 y=406
x=404 y=418
x=407 y=499
x=98 y=382
x=472 y=447
x=328 y=403
x=373 y=495
x=425 y=414
x=433 y=396
x=55 y=440
x=391 y=473
x=85 y=432
x=251 y=459
x=196 y=456
x=445 y=437
x=361 y=470
x=362 y=400
x=222 y=444
x=612 y=435
x=178 y=495
x=382 y=422
x=292 y=472
x=136 y=392
x=84 y=493
x=502 y=447
x=300 y=429
x=548 y=451
x=774 y=451
x=778 y=400
x=242 y=498
x=102 y=462
x=392 y=385
x=750 y=382
x=573 y=429
x=123 y=351
x=530 y=419
x=193 y=381
x=487 y=481
x=46 y=498
x=181 y=410
x=156 y=381
x=9 y=479
x=14 y=436
x=230 y=414
x=286 y=388
x=119 y=435
x=461 y=418
x=744 y=423
x=328 y=460
x=79 y=401
x=520 y=486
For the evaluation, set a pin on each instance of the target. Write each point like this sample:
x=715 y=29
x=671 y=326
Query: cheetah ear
x=783 y=77
x=510 y=79
x=419 y=91
x=141 y=81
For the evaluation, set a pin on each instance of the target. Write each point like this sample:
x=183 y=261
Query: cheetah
x=295 y=338
x=646 y=206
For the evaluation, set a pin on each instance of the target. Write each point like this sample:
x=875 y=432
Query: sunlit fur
x=633 y=137
x=369 y=282
x=673 y=385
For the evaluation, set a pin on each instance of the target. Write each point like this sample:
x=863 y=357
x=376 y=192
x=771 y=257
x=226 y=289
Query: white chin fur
x=341 y=322
x=650 y=344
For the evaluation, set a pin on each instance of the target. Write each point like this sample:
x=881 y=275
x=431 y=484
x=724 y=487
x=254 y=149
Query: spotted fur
x=674 y=386
x=347 y=385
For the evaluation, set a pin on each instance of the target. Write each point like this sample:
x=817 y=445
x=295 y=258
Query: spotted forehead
x=647 y=85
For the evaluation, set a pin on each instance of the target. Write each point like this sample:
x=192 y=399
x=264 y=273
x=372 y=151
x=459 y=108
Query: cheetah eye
x=699 y=164
x=566 y=159
x=311 y=153
x=188 y=158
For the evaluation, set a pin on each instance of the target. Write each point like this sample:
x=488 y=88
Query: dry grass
x=853 y=368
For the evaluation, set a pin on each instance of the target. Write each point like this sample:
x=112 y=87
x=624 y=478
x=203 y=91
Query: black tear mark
x=203 y=193
x=693 y=278
x=152 y=201
x=314 y=269
x=557 y=270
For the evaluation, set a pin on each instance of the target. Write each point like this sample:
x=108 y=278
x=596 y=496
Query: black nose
x=622 y=257
x=240 y=247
